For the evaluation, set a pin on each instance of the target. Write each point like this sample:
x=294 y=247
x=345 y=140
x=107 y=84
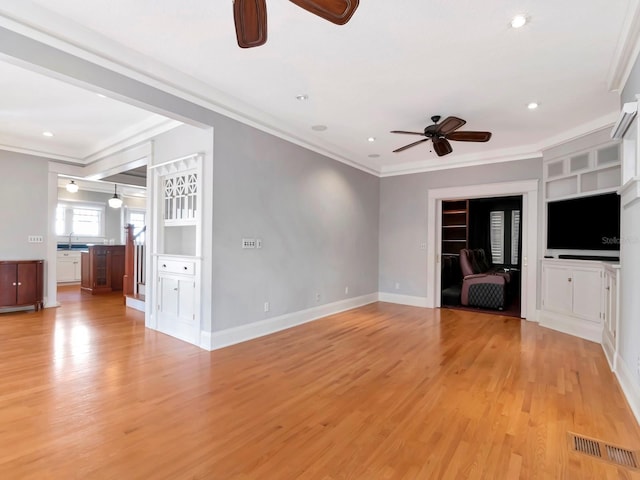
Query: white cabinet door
x=587 y=293
x=557 y=288
x=65 y=270
x=177 y=308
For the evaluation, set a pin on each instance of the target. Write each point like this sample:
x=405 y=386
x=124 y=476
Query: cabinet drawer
x=176 y=266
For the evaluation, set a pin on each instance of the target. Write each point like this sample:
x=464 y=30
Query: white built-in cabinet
x=589 y=172
x=579 y=297
x=177 y=247
x=68 y=267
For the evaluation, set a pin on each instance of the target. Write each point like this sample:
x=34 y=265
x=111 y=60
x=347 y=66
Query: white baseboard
x=205 y=340
x=231 y=336
x=403 y=299
x=135 y=303
x=629 y=384
x=573 y=326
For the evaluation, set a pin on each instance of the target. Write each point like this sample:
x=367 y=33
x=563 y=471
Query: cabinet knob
x=185 y=268
x=608 y=288
x=568 y=279
x=19 y=283
x=175 y=289
x=164 y=265
x=14 y=284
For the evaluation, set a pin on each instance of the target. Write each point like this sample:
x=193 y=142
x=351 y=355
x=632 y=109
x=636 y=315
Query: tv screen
x=587 y=223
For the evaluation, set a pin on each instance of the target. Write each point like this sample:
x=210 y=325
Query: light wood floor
x=381 y=392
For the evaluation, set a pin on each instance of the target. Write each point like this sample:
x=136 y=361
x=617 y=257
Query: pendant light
x=72 y=187
x=115 y=201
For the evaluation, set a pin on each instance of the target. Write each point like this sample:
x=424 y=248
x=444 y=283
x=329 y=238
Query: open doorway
x=528 y=189
x=481 y=254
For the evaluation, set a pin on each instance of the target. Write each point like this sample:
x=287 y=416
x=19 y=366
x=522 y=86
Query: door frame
x=529 y=269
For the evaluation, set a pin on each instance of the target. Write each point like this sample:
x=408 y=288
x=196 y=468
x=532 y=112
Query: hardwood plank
x=379 y=392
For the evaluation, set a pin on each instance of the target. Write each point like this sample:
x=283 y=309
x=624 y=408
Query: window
x=81 y=219
x=87 y=221
x=505 y=244
x=515 y=237
x=496 y=227
x=137 y=219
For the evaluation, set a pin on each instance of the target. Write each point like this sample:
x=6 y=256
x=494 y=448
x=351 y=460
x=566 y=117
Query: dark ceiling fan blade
x=336 y=11
x=442 y=146
x=407 y=133
x=449 y=124
x=251 y=22
x=469 y=136
x=410 y=145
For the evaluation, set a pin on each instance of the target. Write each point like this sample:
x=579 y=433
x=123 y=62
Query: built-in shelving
x=455 y=226
x=590 y=172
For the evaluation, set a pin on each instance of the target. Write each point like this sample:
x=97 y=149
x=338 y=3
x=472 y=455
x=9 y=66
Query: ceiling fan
x=441 y=133
x=251 y=17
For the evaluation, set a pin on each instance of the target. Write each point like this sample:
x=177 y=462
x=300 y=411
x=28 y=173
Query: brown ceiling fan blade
x=251 y=22
x=449 y=124
x=336 y=11
x=442 y=146
x=410 y=145
x=407 y=133
x=469 y=136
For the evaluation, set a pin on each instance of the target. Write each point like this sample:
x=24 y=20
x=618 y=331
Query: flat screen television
x=587 y=223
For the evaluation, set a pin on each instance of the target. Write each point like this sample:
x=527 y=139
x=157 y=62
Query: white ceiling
x=391 y=67
x=83 y=124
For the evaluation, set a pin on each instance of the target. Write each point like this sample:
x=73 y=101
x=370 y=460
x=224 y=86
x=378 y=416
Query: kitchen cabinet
x=102 y=268
x=22 y=283
x=68 y=267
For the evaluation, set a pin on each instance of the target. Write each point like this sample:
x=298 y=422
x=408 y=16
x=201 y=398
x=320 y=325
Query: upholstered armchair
x=481 y=286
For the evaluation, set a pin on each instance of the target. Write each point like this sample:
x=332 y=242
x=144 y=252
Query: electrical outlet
x=397 y=286
x=346 y=290
x=258 y=243
x=423 y=246
x=248 y=243
x=266 y=306
x=317 y=297
x=35 y=239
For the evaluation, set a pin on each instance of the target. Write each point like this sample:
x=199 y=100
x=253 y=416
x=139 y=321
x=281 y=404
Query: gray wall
x=317 y=218
x=403 y=218
x=23 y=211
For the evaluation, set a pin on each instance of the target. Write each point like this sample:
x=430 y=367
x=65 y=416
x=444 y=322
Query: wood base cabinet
x=102 y=268
x=22 y=283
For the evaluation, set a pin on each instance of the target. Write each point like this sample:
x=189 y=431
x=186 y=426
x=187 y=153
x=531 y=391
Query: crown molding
x=42 y=154
x=606 y=121
x=628 y=48
x=486 y=158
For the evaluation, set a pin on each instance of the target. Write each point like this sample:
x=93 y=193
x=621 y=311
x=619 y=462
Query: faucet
x=71 y=233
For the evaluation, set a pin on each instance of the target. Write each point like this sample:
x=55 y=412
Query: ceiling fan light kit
x=441 y=133
x=250 y=17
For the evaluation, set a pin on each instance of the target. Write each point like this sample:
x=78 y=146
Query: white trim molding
x=242 y=333
x=403 y=299
x=629 y=384
x=627 y=49
x=572 y=326
x=529 y=191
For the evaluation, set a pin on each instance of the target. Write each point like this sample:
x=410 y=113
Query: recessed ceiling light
x=519 y=21
x=319 y=128
x=374 y=155
x=532 y=106
x=47 y=134
x=371 y=139
x=302 y=98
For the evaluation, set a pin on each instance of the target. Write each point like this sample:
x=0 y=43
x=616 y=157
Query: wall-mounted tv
x=587 y=223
